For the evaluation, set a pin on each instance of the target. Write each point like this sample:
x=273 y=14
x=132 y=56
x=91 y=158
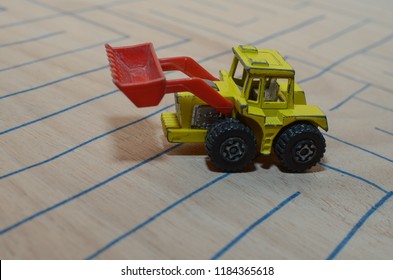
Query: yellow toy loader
x=255 y=108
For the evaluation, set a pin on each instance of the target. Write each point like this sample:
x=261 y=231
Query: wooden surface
x=85 y=174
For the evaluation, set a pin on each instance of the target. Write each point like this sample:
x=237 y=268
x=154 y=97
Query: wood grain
x=86 y=174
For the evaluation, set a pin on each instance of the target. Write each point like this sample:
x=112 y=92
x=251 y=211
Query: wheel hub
x=233 y=149
x=305 y=151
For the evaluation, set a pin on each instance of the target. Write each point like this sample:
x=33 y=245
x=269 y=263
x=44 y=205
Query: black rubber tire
x=231 y=145
x=300 y=147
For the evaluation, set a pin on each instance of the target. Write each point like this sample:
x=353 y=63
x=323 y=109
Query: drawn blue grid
x=155 y=216
x=358 y=147
x=61 y=154
x=176 y=43
x=81 y=18
x=58 y=112
x=368 y=102
x=217 y=18
x=340 y=74
x=365 y=217
x=86 y=191
x=324 y=70
x=60 y=13
x=60 y=54
x=350 y=97
x=263 y=39
x=275 y=35
x=358 y=225
x=28 y=21
x=76 y=50
x=353 y=95
x=340 y=33
x=214 y=5
x=62 y=80
x=145 y=24
x=346 y=57
x=384 y=131
x=252 y=226
x=194 y=25
x=54 y=82
x=92 y=7
x=380 y=56
x=83 y=143
x=374 y=185
x=301 y=5
x=33 y=39
x=388 y=73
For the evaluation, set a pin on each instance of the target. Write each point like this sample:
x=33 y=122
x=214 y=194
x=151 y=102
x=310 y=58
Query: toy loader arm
x=138 y=73
x=187 y=65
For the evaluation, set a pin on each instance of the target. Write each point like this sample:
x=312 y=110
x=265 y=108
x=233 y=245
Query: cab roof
x=261 y=61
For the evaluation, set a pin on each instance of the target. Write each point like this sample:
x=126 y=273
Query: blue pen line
x=27 y=21
x=340 y=33
x=349 y=56
x=54 y=82
x=102 y=135
x=83 y=144
x=252 y=226
x=293 y=28
x=71 y=14
x=58 y=112
x=183 y=41
x=302 y=5
x=302 y=24
x=358 y=147
x=61 y=54
x=384 y=131
x=66 y=109
x=154 y=217
x=73 y=106
x=340 y=74
x=174 y=44
x=272 y=36
x=335 y=72
x=354 y=176
x=57 y=205
x=246 y=22
x=61 y=14
x=100 y=25
x=290 y=29
x=380 y=56
x=220 y=20
x=145 y=24
x=116 y=3
x=373 y=104
x=194 y=25
x=214 y=5
x=350 y=97
x=33 y=39
x=358 y=225
x=110 y=4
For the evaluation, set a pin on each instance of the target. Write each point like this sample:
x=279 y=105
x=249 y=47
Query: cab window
x=254 y=92
x=239 y=74
x=276 y=89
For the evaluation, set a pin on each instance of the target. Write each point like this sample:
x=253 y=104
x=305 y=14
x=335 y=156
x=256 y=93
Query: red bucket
x=137 y=72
